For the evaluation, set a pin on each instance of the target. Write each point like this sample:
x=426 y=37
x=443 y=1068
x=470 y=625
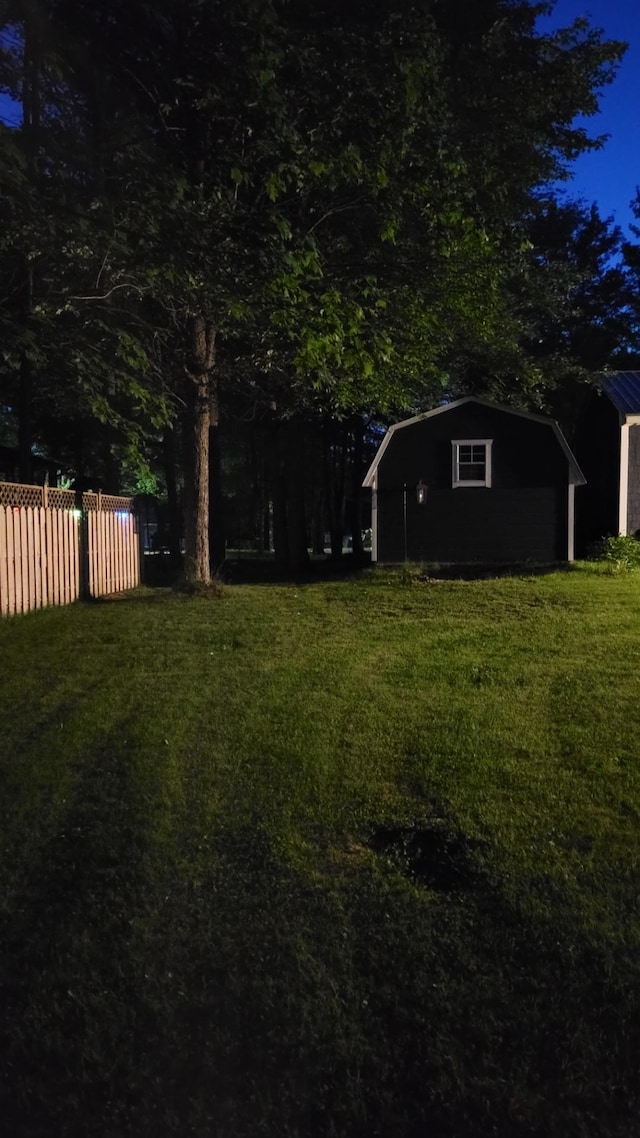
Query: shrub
x=620 y=553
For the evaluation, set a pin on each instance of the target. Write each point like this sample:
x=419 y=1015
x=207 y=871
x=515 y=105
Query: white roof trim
x=576 y=477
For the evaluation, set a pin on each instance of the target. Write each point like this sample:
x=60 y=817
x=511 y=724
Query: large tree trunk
x=175 y=529
x=202 y=338
x=217 y=543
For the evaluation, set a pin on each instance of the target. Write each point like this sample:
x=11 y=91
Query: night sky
x=610 y=176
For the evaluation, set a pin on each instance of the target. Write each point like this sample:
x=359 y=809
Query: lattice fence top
x=108 y=502
x=16 y=494
x=59 y=499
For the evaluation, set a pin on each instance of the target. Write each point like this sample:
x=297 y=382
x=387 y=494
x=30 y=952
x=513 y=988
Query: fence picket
x=129 y=550
x=26 y=560
x=30 y=555
x=117 y=547
x=42 y=527
x=21 y=562
x=51 y=560
x=111 y=537
x=66 y=558
x=74 y=543
x=91 y=553
x=37 y=580
x=4 y=583
x=11 y=567
x=56 y=558
x=100 y=554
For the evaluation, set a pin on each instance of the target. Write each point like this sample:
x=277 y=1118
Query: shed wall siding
x=597 y=449
x=475 y=525
x=633 y=495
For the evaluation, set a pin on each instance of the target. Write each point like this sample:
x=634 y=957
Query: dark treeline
x=236 y=238
x=288 y=486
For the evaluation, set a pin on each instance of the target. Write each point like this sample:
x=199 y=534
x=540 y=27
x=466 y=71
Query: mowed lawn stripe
x=346 y=858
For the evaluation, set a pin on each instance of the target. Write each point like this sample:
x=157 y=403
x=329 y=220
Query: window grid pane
x=472 y=472
x=472 y=462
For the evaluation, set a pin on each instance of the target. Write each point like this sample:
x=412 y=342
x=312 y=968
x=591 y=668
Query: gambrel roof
x=575 y=474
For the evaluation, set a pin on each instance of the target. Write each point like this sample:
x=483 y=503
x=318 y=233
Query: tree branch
x=106 y=295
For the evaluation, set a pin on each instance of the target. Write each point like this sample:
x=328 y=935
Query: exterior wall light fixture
x=421 y=493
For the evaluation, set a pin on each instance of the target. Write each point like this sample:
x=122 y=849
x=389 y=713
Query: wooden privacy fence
x=58 y=545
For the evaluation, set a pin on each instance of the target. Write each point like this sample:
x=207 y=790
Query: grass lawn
x=343 y=859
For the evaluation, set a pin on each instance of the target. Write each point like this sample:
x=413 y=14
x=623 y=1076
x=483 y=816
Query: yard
x=348 y=858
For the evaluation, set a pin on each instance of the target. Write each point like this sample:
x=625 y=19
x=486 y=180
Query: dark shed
x=607 y=444
x=473 y=482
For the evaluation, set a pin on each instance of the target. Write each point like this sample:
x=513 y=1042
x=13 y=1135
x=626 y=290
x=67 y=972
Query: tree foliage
x=325 y=209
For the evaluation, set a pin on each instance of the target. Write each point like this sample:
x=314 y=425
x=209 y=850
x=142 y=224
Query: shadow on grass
x=220 y=987
x=144 y=595
x=254 y=571
x=159 y=578
x=431 y=856
x=490 y=571
x=68 y=989
x=160 y=574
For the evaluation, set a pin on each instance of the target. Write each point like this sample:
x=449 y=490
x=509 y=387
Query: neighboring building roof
x=576 y=475
x=623 y=389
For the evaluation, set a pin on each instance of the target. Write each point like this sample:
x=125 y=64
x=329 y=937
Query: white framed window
x=471 y=461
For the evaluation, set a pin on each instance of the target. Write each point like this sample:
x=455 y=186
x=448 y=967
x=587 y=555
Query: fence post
x=83 y=547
